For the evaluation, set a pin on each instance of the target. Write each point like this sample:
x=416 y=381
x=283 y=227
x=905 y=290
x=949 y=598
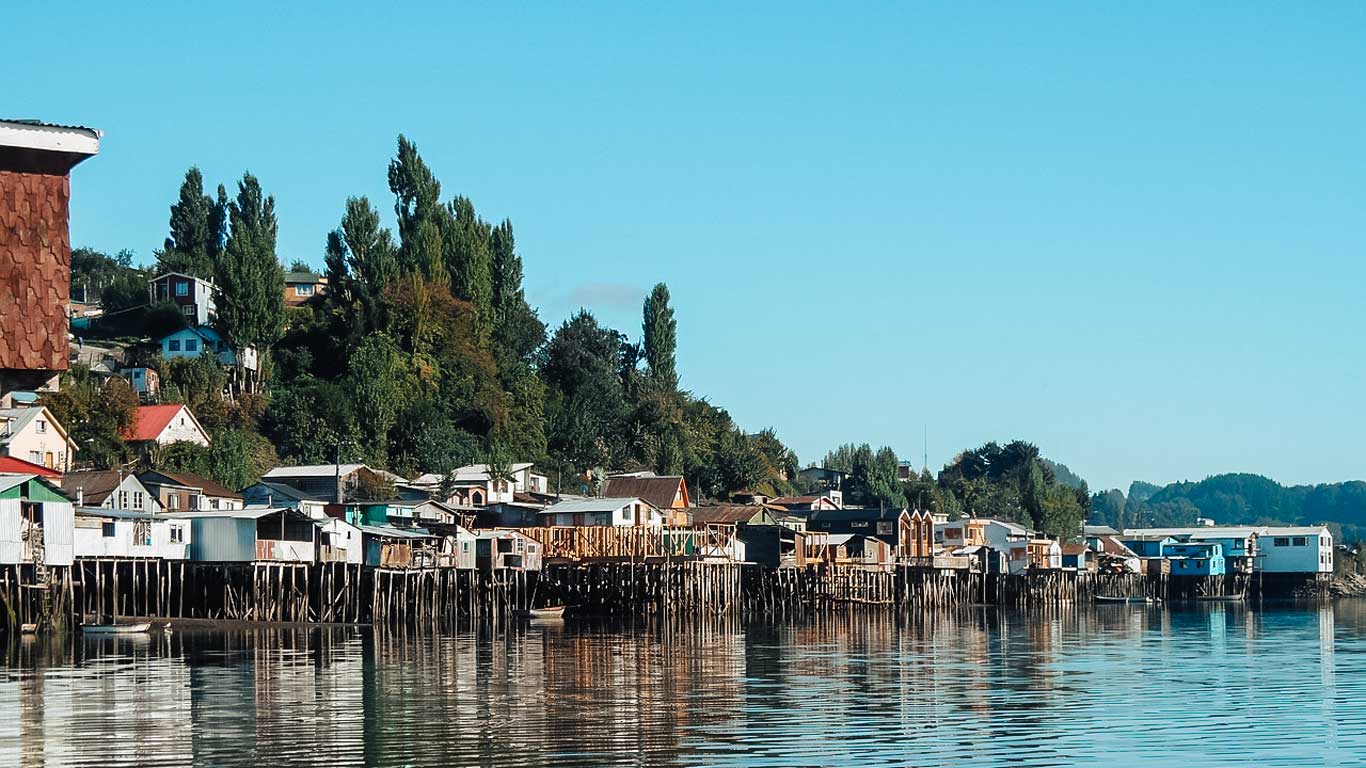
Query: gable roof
x=1075 y=549
x=850 y=514
x=660 y=491
x=1113 y=546
x=287 y=491
x=11 y=464
x=605 y=504
x=149 y=421
x=95 y=486
x=164 y=275
x=303 y=277
x=189 y=480
x=20 y=418
x=312 y=470
x=9 y=481
x=732 y=513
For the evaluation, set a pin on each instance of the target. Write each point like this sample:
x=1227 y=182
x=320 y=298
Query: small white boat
x=28 y=629
x=1125 y=600
x=543 y=613
x=115 y=629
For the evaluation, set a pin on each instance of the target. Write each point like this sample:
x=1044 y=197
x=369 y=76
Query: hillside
x=1236 y=499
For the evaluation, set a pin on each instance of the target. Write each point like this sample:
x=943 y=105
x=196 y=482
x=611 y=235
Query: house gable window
x=192 y=345
x=173 y=345
x=42 y=426
x=182 y=288
x=177 y=534
x=107 y=530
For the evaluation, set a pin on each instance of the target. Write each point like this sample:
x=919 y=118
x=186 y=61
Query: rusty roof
x=660 y=491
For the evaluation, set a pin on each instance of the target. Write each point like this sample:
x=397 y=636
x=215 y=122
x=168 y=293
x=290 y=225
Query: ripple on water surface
x=1113 y=685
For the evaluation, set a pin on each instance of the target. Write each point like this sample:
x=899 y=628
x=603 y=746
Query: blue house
x=1196 y=559
x=1148 y=546
x=201 y=339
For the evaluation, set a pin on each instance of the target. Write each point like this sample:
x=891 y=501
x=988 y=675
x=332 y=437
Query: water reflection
x=986 y=687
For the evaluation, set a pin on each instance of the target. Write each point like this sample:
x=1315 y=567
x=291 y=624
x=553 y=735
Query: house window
x=42 y=426
x=123 y=499
x=303 y=290
x=1280 y=541
x=173 y=345
x=34 y=457
x=182 y=288
x=192 y=345
x=194 y=501
x=173 y=501
x=137 y=499
x=188 y=309
x=107 y=530
x=177 y=535
x=1298 y=541
x=47 y=460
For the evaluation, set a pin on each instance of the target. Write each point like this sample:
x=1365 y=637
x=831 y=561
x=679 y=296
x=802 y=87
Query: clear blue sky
x=1131 y=236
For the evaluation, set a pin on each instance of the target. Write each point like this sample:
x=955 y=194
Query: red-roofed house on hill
x=35 y=247
x=163 y=425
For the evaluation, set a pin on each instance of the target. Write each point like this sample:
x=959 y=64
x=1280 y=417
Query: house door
x=47 y=460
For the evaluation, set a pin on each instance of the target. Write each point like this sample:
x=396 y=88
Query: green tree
x=660 y=338
x=517 y=330
x=251 y=304
x=586 y=406
x=417 y=202
x=199 y=383
x=361 y=262
x=238 y=457
x=197 y=229
x=379 y=381
x=465 y=239
x=96 y=414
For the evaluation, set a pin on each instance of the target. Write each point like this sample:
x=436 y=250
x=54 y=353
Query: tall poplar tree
x=517 y=330
x=469 y=262
x=251 y=300
x=197 y=228
x=417 y=204
x=361 y=262
x=660 y=337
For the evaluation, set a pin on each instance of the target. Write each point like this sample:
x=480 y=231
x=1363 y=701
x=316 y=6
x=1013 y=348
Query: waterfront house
x=1295 y=549
x=110 y=489
x=37 y=522
x=667 y=493
x=474 y=485
x=1196 y=559
x=1148 y=545
x=163 y=425
x=1078 y=556
x=807 y=504
x=30 y=433
x=268 y=494
x=1010 y=540
x=36 y=159
x=858 y=550
x=302 y=286
x=603 y=512
x=188 y=491
x=409 y=513
x=505 y=550
x=963 y=532
x=193 y=296
x=251 y=535
x=910 y=534
x=335 y=482
x=737 y=514
x=104 y=532
x=388 y=546
x=339 y=541
x=1112 y=556
x=772 y=546
x=1044 y=553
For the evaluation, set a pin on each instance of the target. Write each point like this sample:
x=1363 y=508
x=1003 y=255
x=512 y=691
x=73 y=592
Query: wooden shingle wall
x=35 y=270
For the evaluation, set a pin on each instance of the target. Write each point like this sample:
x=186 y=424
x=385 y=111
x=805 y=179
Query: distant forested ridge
x=1235 y=499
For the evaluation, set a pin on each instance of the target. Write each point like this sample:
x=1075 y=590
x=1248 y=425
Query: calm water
x=1117 y=685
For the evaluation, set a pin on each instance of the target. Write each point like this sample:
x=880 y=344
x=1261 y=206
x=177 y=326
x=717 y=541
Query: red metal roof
x=150 y=421
x=11 y=465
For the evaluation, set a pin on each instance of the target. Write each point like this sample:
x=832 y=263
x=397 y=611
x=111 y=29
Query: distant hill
x=1065 y=476
x=1236 y=499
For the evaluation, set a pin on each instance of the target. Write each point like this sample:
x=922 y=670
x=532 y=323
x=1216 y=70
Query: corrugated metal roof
x=590 y=505
x=44 y=124
x=9 y=481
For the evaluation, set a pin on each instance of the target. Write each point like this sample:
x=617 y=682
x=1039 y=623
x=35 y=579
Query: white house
x=110 y=489
x=104 y=532
x=193 y=295
x=1011 y=540
x=340 y=541
x=36 y=522
x=201 y=339
x=603 y=512
x=474 y=487
x=166 y=424
x=1295 y=549
x=32 y=434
